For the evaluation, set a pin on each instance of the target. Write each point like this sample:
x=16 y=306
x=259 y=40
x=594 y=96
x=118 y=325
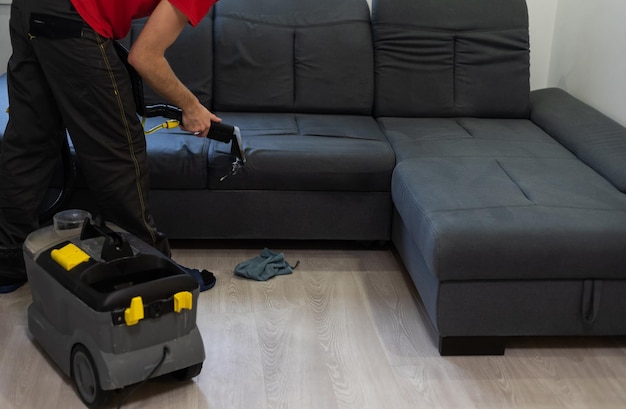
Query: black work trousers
x=78 y=83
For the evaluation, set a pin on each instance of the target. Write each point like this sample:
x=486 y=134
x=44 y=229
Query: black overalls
x=72 y=79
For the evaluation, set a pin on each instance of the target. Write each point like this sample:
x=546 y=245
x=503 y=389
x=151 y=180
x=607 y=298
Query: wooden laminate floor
x=346 y=330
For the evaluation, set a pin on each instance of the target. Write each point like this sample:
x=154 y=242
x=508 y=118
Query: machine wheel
x=85 y=376
x=188 y=373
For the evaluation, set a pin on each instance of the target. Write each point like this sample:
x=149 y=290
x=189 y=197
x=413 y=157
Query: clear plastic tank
x=66 y=224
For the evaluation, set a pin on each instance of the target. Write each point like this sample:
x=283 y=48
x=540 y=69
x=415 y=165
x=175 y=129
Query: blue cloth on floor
x=264 y=266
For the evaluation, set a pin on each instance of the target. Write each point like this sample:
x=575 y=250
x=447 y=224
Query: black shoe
x=12 y=270
x=8 y=286
x=206 y=280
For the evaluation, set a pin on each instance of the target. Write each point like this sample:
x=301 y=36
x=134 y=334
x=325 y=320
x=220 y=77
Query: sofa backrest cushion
x=190 y=56
x=449 y=58
x=308 y=56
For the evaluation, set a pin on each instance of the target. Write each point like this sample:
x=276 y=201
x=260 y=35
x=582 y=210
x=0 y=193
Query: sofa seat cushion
x=461 y=137
x=501 y=199
x=306 y=152
x=498 y=218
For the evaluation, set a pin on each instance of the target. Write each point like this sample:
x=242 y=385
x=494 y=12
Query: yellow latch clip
x=134 y=314
x=183 y=300
x=69 y=256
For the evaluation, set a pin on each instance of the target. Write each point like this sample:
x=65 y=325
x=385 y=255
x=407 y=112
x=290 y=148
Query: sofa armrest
x=594 y=138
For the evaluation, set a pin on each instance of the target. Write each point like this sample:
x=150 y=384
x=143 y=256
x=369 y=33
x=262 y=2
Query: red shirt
x=112 y=18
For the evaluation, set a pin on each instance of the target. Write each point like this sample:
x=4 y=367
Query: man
x=65 y=73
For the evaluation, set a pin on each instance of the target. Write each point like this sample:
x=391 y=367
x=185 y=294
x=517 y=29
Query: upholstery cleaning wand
x=218 y=132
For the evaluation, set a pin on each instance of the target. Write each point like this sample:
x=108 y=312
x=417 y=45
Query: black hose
x=67 y=188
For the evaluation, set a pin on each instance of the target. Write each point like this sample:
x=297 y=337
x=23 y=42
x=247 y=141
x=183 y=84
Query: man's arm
x=147 y=56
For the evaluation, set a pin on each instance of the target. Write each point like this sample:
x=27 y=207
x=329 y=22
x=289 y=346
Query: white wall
x=541 y=15
x=589 y=54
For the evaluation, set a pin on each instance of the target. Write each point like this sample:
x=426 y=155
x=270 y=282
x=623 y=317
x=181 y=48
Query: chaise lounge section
x=509 y=206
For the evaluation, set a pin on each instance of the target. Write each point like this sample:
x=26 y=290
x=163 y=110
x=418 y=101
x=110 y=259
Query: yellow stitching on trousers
x=129 y=140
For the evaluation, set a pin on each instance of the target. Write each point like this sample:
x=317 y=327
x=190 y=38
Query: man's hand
x=147 y=56
x=195 y=120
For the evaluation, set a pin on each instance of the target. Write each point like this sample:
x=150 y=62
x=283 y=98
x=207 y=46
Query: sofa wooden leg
x=450 y=346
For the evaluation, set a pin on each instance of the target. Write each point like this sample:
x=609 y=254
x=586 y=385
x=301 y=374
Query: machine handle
x=221 y=132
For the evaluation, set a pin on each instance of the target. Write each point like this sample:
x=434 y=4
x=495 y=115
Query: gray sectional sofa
x=412 y=123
